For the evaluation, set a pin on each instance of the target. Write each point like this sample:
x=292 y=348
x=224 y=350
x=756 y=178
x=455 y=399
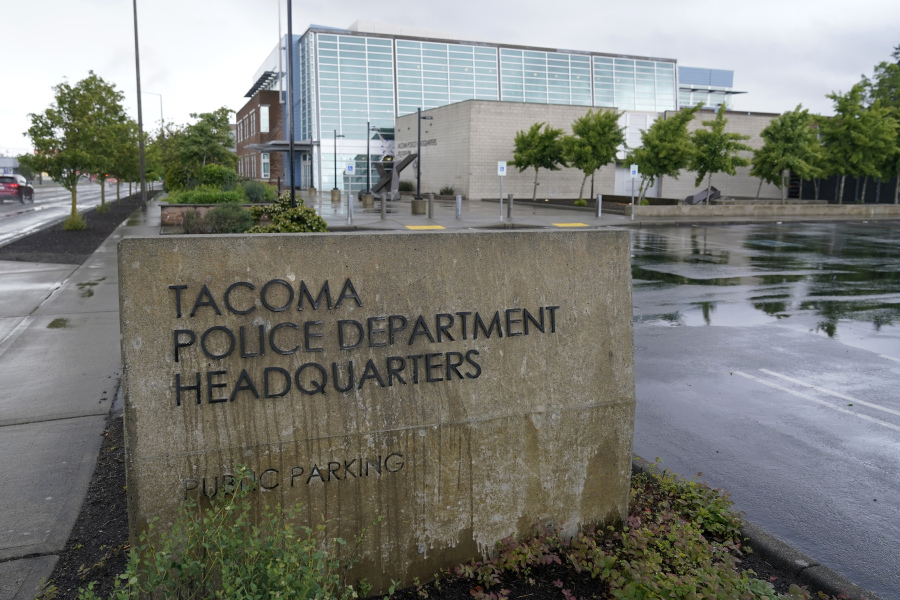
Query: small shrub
x=218 y=176
x=74 y=223
x=192 y=223
x=406 y=186
x=448 y=190
x=207 y=195
x=257 y=191
x=581 y=202
x=228 y=218
x=284 y=219
x=219 y=552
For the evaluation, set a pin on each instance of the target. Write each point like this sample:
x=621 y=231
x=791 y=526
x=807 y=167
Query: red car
x=15 y=187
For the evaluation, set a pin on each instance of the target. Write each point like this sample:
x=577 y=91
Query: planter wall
x=173 y=214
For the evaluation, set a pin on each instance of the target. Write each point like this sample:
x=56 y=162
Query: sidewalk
x=59 y=371
x=478 y=214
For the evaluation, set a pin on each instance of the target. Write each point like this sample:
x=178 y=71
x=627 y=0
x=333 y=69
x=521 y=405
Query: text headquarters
x=257 y=340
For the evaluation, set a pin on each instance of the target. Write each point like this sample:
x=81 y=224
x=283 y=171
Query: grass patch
x=58 y=323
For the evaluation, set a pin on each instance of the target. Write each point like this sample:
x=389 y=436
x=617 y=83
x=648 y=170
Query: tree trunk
x=862 y=198
x=581 y=191
x=708 y=187
x=534 y=193
x=800 y=190
x=592 y=184
x=74 y=203
x=102 y=194
x=897 y=189
x=118 y=185
x=783 y=189
x=759 y=189
x=841 y=190
x=816 y=185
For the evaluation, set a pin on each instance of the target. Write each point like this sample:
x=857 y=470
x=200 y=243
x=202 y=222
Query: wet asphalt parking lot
x=768 y=358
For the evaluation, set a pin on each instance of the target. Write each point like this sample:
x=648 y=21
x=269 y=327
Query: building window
x=252 y=122
x=264 y=119
x=264 y=158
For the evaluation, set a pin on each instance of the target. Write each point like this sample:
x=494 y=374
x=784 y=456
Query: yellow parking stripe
x=418 y=227
x=571 y=224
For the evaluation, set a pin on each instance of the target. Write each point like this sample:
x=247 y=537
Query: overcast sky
x=202 y=54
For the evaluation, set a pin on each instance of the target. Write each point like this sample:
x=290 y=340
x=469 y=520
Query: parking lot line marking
x=831 y=392
x=570 y=224
x=418 y=227
x=817 y=401
x=889 y=357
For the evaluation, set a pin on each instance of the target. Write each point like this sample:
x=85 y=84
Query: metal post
x=458 y=206
x=430 y=206
x=383 y=206
x=509 y=207
x=137 y=68
x=501 y=199
x=599 y=204
x=335 y=159
x=632 y=198
x=368 y=158
x=419 y=154
x=349 y=205
x=290 y=67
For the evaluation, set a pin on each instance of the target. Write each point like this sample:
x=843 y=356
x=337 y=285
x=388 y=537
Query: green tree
x=539 y=150
x=68 y=136
x=180 y=152
x=27 y=166
x=789 y=143
x=858 y=140
x=717 y=150
x=126 y=162
x=595 y=140
x=884 y=88
x=666 y=148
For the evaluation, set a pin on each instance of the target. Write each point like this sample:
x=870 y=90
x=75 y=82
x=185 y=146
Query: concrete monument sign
x=462 y=386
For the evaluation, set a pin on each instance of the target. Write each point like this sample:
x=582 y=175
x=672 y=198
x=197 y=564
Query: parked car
x=17 y=187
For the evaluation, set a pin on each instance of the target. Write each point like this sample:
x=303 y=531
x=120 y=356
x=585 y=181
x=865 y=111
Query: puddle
x=840 y=280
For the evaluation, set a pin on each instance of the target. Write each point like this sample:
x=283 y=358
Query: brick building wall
x=250 y=123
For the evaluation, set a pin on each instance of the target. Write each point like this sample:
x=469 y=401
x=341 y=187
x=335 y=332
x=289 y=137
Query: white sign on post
x=634 y=172
x=501 y=168
x=350 y=169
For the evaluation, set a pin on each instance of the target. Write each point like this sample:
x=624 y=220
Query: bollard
x=509 y=207
x=458 y=207
x=430 y=206
x=599 y=204
x=349 y=207
x=383 y=206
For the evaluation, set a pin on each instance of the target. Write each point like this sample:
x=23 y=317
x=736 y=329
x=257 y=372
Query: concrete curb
x=782 y=556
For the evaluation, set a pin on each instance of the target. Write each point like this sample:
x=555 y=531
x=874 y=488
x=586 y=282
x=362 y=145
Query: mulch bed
x=54 y=245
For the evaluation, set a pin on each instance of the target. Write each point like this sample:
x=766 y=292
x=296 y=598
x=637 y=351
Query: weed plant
x=448 y=190
x=257 y=192
x=406 y=186
x=74 y=223
x=580 y=202
x=218 y=552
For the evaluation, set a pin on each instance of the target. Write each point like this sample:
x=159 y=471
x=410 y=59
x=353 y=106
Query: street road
x=768 y=358
x=51 y=203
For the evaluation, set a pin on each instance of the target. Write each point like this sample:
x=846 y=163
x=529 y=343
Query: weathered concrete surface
x=884 y=211
x=500 y=433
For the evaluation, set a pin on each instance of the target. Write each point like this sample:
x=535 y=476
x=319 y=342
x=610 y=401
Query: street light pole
x=419 y=153
x=137 y=68
x=368 y=158
x=336 y=136
x=290 y=67
x=161 y=119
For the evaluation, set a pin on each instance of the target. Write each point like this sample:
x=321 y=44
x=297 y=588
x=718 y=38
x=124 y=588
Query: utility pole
x=137 y=68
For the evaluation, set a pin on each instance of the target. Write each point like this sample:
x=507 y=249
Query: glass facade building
x=348 y=78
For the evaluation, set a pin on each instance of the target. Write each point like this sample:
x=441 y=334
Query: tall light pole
x=369 y=130
x=419 y=154
x=290 y=67
x=336 y=136
x=137 y=68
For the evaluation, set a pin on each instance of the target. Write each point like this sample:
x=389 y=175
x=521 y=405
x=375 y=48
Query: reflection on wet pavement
x=841 y=280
